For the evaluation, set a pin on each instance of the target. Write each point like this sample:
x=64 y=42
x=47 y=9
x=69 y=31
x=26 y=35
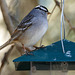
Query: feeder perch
x=40 y=60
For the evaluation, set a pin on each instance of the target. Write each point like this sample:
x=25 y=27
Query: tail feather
x=5 y=44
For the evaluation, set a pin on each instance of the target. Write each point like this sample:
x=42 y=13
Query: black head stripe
x=41 y=8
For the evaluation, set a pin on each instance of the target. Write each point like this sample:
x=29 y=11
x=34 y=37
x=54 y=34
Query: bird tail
x=5 y=44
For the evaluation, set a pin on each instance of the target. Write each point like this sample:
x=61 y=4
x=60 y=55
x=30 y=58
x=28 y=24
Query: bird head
x=42 y=8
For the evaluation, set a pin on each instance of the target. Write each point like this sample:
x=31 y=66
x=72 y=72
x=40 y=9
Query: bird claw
x=39 y=47
x=42 y=46
x=28 y=53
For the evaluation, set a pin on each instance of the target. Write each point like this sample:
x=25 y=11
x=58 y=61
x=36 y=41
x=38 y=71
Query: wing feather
x=23 y=26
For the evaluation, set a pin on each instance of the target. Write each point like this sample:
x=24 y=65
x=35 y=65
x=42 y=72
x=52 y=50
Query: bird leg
x=27 y=50
x=24 y=49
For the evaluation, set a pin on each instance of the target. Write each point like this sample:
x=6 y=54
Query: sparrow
x=31 y=29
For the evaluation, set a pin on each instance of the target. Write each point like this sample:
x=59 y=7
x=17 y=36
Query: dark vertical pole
x=31 y=68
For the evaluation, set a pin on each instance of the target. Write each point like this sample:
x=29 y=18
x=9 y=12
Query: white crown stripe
x=42 y=8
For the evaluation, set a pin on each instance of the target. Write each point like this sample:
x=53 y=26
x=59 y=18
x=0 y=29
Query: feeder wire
x=62 y=23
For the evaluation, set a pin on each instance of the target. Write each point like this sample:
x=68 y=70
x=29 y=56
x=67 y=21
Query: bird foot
x=28 y=53
x=38 y=47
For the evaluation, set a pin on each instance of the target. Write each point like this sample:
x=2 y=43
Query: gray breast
x=31 y=36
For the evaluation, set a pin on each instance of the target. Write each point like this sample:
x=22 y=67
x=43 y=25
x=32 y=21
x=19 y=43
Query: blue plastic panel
x=51 y=53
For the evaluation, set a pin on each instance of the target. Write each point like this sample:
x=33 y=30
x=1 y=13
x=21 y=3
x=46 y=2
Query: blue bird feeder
x=53 y=53
x=57 y=56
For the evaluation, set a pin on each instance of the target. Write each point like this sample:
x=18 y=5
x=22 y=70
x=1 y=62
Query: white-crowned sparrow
x=31 y=29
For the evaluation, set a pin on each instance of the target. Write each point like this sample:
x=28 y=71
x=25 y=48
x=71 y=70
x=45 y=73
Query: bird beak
x=48 y=13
